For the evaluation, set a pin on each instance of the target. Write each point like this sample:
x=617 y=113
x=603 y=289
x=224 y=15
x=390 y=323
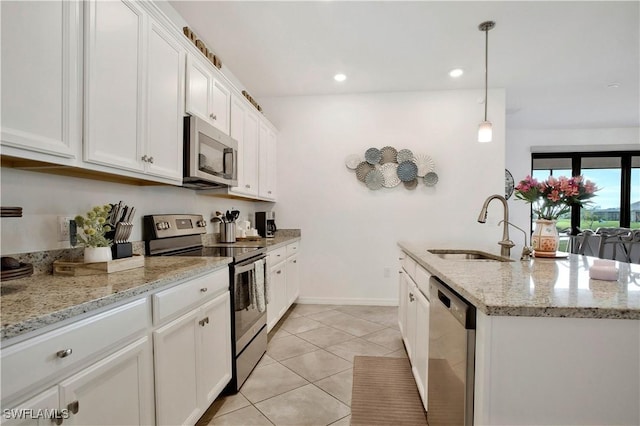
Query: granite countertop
x=538 y=287
x=268 y=243
x=28 y=304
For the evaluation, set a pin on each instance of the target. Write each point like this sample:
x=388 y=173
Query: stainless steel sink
x=467 y=255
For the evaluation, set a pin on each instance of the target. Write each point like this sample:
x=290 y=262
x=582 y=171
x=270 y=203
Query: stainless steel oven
x=179 y=235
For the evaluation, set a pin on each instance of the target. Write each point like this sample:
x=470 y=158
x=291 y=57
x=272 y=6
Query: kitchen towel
x=258 y=286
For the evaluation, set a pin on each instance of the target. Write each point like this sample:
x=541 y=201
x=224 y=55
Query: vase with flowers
x=93 y=227
x=549 y=200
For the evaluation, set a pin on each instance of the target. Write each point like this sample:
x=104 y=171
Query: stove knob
x=167 y=225
x=159 y=226
x=201 y=223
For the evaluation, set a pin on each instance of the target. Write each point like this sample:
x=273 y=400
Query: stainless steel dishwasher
x=452 y=346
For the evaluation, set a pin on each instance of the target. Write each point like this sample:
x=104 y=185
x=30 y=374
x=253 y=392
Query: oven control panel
x=173 y=225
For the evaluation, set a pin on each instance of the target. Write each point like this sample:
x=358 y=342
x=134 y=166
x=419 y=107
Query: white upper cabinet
x=207 y=97
x=166 y=64
x=41 y=80
x=114 y=84
x=244 y=129
x=134 y=92
x=267 y=167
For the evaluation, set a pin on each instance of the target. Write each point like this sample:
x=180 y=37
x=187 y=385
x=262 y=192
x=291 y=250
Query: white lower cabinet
x=192 y=361
x=284 y=282
x=117 y=390
x=413 y=320
x=39 y=410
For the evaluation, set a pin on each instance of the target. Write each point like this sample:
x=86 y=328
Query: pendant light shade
x=485 y=132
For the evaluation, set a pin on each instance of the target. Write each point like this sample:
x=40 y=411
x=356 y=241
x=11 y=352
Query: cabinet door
x=403 y=302
x=165 y=104
x=114 y=61
x=236 y=131
x=411 y=320
x=421 y=346
x=117 y=390
x=175 y=354
x=21 y=414
x=220 y=105
x=278 y=293
x=250 y=155
x=41 y=81
x=199 y=86
x=293 y=280
x=215 y=348
x=267 y=168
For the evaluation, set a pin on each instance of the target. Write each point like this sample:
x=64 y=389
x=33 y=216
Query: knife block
x=121 y=250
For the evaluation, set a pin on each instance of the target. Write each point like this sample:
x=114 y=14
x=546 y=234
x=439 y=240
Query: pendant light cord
x=486 y=70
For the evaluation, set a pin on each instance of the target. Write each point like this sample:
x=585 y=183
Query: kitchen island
x=552 y=345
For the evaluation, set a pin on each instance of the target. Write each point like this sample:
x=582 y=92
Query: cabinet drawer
x=292 y=249
x=169 y=302
x=277 y=256
x=409 y=265
x=36 y=359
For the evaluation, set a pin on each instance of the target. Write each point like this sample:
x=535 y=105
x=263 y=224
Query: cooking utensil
x=235 y=214
x=229 y=216
x=123 y=216
x=130 y=215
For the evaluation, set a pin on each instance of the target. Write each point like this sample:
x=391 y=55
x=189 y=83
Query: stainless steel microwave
x=210 y=156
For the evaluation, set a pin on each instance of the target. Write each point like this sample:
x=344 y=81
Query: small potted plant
x=92 y=229
x=549 y=200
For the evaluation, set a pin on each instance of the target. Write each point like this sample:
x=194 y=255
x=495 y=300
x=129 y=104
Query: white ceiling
x=555 y=59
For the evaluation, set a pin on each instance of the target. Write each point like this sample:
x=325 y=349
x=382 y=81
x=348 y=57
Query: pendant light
x=485 y=132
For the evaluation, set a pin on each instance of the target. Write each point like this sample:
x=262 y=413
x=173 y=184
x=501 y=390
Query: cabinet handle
x=74 y=407
x=58 y=418
x=64 y=353
x=213 y=117
x=279 y=272
x=145 y=158
x=247 y=186
x=295 y=261
x=411 y=298
x=151 y=160
x=204 y=289
x=204 y=321
x=269 y=192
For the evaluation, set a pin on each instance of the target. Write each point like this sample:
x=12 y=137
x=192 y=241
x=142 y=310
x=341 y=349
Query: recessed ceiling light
x=339 y=77
x=457 y=72
x=613 y=85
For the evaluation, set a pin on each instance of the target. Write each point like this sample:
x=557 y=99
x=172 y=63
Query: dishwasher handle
x=463 y=311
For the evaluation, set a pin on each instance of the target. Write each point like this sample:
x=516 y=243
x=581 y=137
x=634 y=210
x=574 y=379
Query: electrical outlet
x=63 y=228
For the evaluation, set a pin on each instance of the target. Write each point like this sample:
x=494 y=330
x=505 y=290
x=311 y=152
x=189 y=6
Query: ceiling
x=555 y=59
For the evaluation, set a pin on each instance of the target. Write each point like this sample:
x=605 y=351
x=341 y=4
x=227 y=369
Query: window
x=617 y=174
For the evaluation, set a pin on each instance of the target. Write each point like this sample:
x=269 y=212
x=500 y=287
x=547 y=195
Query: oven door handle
x=245 y=268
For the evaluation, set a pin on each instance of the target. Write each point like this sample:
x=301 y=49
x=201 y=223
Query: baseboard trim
x=346 y=301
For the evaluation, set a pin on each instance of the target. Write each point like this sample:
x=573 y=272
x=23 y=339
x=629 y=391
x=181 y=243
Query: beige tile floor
x=305 y=377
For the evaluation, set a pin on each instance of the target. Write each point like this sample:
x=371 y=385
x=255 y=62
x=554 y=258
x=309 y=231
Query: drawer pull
x=74 y=407
x=204 y=321
x=58 y=418
x=295 y=261
x=411 y=297
x=279 y=272
x=204 y=289
x=64 y=353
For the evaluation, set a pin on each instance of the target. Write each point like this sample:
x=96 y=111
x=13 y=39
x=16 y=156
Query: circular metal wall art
x=412 y=184
x=425 y=164
x=374 y=179
x=430 y=179
x=362 y=170
x=352 y=161
x=389 y=154
x=407 y=171
x=404 y=155
x=373 y=156
x=390 y=173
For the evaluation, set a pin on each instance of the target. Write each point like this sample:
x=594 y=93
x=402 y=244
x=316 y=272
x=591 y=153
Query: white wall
x=350 y=233
x=520 y=141
x=44 y=197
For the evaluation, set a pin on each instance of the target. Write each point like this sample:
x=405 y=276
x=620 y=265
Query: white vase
x=97 y=254
x=545 y=238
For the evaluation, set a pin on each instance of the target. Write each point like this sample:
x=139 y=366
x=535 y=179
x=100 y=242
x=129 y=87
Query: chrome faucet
x=506 y=243
x=526 y=249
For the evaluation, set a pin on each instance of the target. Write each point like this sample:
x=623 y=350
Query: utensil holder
x=121 y=250
x=228 y=232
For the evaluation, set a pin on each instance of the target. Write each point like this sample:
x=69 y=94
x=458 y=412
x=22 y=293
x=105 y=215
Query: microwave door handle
x=227 y=161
